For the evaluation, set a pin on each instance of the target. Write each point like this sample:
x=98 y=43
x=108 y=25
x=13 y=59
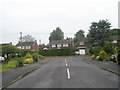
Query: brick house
x=61 y=44
x=116 y=40
x=32 y=46
x=82 y=46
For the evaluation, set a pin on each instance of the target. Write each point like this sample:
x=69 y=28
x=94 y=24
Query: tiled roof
x=25 y=43
x=61 y=42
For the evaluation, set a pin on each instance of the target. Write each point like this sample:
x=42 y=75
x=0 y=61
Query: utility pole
x=21 y=39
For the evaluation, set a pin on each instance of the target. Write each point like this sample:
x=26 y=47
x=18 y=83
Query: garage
x=82 y=51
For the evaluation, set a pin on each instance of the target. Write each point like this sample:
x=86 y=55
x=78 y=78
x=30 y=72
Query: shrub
x=20 y=60
x=41 y=57
x=12 y=64
x=28 y=61
x=93 y=56
x=103 y=55
x=35 y=57
x=95 y=50
x=28 y=56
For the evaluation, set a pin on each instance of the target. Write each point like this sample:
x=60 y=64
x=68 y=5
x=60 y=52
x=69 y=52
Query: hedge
x=58 y=52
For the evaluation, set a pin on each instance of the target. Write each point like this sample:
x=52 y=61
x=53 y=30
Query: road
x=68 y=73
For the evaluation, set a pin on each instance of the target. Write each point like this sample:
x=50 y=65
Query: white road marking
x=65 y=60
x=66 y=65
x=68 y=72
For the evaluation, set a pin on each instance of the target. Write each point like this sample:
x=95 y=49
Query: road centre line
x=68 y=73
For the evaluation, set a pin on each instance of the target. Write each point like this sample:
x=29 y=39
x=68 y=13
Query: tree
x=99 y=32
x=78 y=35
x=56 y=34
x=27 y=38
x=68 y=38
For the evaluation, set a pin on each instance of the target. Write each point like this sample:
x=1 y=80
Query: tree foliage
x=99 y=32
x=27 y=38
x=115 y=32
x=78 y=35
x=56 y=34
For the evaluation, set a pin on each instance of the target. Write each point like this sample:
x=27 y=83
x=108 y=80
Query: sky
x=40 y=17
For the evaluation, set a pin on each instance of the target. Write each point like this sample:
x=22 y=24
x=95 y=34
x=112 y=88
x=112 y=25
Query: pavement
x=77 y=72
x=11 y=76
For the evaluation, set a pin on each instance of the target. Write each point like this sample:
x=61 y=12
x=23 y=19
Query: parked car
x=113 y=58
x=2 y=59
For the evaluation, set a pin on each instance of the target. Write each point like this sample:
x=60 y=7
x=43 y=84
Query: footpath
x=106 y=65
x=15 y=74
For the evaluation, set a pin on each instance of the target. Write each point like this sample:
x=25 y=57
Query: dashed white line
x=68 y=72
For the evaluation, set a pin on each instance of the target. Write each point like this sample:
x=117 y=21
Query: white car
x=2 y=59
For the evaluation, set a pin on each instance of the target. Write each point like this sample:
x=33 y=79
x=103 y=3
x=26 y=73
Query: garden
x=15 y=57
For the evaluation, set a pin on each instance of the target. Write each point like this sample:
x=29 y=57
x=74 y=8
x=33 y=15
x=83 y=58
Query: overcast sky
x=40 y=17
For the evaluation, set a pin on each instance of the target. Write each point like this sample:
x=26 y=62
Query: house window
x=19 y=47
x=53 y=46
x=114 y=41
x=65 y=45
x=23 y=47
x=59 y=45
x=81 y=43
x=28 y=47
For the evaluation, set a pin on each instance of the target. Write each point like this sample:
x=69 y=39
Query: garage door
x=82 y=51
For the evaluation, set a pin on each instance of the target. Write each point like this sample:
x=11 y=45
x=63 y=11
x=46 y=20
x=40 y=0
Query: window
x=28 y=47
x=19 y=47
x=23 y=47
x=81 y=43
x=53 y=45
x=59 y=45
x=65 y=45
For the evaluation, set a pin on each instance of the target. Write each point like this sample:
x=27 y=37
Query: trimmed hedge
x=58 y=52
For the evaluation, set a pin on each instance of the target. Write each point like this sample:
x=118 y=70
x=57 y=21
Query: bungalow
x=61 y=44
x=83 y=46
x=32 y=46
x=116 y=40
x=5 y=44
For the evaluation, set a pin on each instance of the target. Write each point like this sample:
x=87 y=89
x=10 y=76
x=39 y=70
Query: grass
x=3 y=67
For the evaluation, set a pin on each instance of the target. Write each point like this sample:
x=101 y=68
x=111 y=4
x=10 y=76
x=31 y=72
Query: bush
x=28 y=61
x=20 y=60
x=58 y=52
x=95 y=50
x=12 y=64
x=35 y=57
x=41 y=57
x=28 y=56
x=103 y=55
x=93 y=56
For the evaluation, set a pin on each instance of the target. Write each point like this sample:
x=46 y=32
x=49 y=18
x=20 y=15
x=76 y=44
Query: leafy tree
x=56 y=34
x=78 y=35
x=27 y=38
x=68 y=38
x=99 y=32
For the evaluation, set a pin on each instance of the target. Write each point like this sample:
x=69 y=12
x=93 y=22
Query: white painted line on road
x=65 y=60
x=66 y=65
x=68 y=72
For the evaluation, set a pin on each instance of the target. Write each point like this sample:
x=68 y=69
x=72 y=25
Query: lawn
x=3 y=67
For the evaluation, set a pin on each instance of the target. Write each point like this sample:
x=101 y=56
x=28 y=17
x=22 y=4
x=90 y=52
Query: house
x=5 y=44
x=61 y=44
x=116 y=40
x=82 y=46
x=32 y=46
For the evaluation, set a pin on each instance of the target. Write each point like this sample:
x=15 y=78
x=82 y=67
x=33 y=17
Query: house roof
x=116 y=37
x=61 y=42
x=25 y=43
x=3 y=44
x=83 y=40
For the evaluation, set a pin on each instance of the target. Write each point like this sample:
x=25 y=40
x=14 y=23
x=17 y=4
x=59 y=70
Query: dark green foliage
x=78 y=35
x=96 y=50
x=27 y=38
x=35 y=56
x=58 y=52
x=108 y=48
x=56 y=35
x=114 y=32
x=99 y=33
